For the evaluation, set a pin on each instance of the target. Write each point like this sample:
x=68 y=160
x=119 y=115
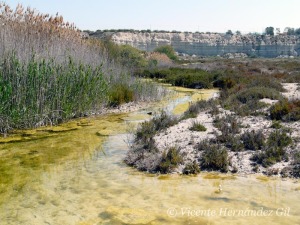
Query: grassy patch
x=196 y=126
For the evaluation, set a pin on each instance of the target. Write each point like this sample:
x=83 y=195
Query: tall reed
x=50 y=72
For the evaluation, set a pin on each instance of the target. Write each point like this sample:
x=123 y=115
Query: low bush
x=270 y=156
x=279 y=138
x=276 y=125
x=148 y=129
x=230 y=128
x=214 y=157
x=197 y=107
x=256 y=93
x=253 y=140
x=191 y=168
x=286 y=110
x=228 y=124
x=274 y=151
x=170 y=160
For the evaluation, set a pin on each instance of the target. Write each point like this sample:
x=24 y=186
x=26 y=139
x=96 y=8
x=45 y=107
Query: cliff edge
x=210 y=44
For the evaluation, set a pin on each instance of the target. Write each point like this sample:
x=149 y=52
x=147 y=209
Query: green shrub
x=274 y=151
x=227 y=125
x=286 y=110
x=279 y=110
x=131 y=57
x=148 y=129
x=224 y=83
x=191 y=168
x=168 y=50
x=119 y=94
x=270 y=156
x=215 y=158
x=276 y=125
x=279 y=138
x=253 y=140
x=256 y=93
x=170 y=160
x=196 y=126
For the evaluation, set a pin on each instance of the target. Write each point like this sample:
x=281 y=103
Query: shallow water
x=78 y=177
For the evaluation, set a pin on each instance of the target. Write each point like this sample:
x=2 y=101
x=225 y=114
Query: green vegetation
x=276 y=125
x=274 y=150
x=196 y=126
x=168 y=50
x=148 y=129
x=269 y=31
x=50 y=73
x=230 y=128
x=253 y=140
x=191 y=78
x=286 y=110
x=191 y=168
x=213 y=157
x=196 y=107
x=170 y=160
x=119 y=94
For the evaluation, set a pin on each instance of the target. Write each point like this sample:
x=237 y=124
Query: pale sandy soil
x=185 y=140
x=293 y=90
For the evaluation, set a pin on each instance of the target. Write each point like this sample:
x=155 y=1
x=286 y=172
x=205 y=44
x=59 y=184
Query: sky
x=182 y=15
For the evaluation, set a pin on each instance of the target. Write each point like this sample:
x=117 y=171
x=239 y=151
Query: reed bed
x=50 y=72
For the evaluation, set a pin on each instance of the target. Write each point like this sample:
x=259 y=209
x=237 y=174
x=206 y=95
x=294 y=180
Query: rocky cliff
x=212 y=44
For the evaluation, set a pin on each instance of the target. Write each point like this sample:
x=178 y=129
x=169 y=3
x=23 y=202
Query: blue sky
x=184 y=15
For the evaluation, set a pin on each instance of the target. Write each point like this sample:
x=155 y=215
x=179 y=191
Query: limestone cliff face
x=213 y=44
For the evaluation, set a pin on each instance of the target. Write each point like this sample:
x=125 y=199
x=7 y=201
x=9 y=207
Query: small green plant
x=196 y=126
x=170 y=160
x=191 y=168
x=276 y=124
x=196 y=107
x=253 y=140
x=214 y=157
x=146 y=130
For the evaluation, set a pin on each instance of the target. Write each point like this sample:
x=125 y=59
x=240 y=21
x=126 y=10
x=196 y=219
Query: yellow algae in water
x=130 y=215
x=196 y=95
x=219 y=176
x=104 y=132
x=263 y=178
x=180 y=108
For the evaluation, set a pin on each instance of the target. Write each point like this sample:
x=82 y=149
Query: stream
x=76 y=175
